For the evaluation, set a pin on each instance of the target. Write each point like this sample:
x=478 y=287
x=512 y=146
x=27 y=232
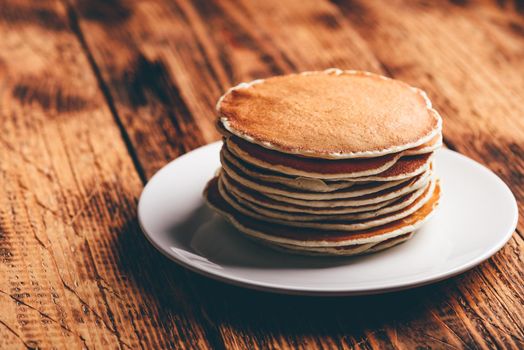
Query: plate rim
x=332 y=291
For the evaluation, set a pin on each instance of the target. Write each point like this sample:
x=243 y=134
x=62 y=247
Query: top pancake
x=331 y=114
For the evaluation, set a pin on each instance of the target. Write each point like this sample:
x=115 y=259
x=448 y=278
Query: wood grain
x=96 y=96
x=76 y=271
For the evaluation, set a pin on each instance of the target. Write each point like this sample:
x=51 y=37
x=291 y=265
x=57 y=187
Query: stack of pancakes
x=327 y=163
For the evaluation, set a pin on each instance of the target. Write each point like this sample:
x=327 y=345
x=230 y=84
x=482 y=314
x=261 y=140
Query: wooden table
x=96 y=96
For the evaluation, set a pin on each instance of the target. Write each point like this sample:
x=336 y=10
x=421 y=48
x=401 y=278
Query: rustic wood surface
x=95 y=96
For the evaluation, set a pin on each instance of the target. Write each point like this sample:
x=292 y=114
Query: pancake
x=307 y=237
x=285 y=215
x=309 y=167
x=390 y=193
x=248 y=195
x=332 y=114
x=433 y=144
x=268 y=187
x=369 y=199
x=338 y=223
x=430 y=146
x=405 y=167
x=356 y=249
x=300 y=182
x=326 y=163
x=345 y=169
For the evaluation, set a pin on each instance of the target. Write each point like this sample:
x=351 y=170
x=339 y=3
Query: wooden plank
x=76 y=271
x=204 y=47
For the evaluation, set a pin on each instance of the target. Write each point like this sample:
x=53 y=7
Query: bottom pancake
x=307 y=237
x=357 y=249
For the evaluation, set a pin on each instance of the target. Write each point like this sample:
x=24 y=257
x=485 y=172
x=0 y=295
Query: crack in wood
x=43 y=314
x=439 y=340
x=366 y=339
x=513 y=336
x=75 y=293
x=439 y=320
x=85 y=304
x=85 y=205
x=12 y=331
x=24 y=158
x=110 y=314
x=500 y=299
x=33 y=230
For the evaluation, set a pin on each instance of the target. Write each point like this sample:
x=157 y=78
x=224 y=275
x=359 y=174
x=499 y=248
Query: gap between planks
x=75 y=28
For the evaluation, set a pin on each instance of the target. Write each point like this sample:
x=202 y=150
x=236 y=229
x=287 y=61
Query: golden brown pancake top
x=330 y=115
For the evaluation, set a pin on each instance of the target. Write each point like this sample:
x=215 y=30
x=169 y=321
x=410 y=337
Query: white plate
x=476 y=217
